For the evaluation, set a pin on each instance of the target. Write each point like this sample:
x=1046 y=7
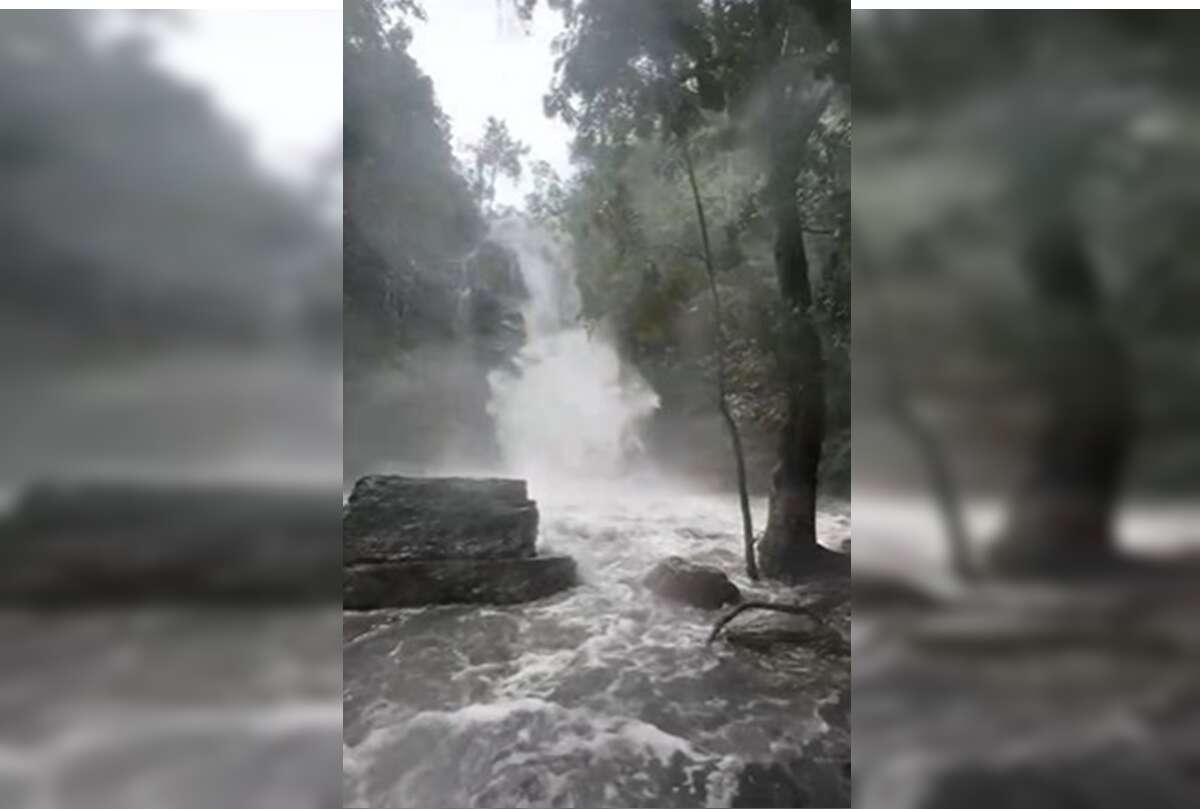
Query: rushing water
x=567 y=408
x=1076 y=693
x=602 y=695
x=169 y=708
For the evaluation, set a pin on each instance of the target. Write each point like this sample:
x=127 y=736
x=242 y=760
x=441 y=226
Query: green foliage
x=548 y=201
x=1101 y=128
x=629 y=215
x=497 y=154
x=409 y=215
x=631 y=69
x=757 y=89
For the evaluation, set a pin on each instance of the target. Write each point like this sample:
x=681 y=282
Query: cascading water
x=567 y=407
x=602 y=696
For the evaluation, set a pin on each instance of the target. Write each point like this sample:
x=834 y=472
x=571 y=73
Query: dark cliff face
x=494 y=294
x=418 y=393
x=429 y=305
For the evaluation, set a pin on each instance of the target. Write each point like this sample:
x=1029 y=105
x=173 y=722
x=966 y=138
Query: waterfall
x=567 y=407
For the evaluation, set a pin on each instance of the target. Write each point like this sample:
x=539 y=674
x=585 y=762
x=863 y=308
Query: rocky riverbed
x=1079 y=693
x=603 y=695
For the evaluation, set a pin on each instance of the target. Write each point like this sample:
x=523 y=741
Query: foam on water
x=169 y=707
x=601 y=695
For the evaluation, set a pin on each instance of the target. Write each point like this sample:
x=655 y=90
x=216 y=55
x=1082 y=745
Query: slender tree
x=497 y=154
x=735 y=435
x=630 y=68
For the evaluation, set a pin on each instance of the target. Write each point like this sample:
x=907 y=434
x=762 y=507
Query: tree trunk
x=1061 y=521
x=789 y=549
x=735 y=436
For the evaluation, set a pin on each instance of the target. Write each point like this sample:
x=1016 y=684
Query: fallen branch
x=812 y=610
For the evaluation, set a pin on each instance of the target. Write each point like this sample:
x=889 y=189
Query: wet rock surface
x=771 y=631
x=456 y=581
x=390 y=518
x=410 y=542
x=799 y=782
x=124 y=542
x=677 y=579
x=603 y=695
x=491 y=302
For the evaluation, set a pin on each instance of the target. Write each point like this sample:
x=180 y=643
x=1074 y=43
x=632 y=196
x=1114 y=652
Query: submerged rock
x=796 y=783
x=389 y=518
x=836 y=711
x=677 y=579
x=767 y=630
x=455 y=581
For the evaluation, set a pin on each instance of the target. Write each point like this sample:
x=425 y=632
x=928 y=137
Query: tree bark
x=1061 y=520
x=789 y=549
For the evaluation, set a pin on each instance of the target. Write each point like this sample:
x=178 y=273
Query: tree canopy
x=131 y=205
x=408 y=208
x=497 y=154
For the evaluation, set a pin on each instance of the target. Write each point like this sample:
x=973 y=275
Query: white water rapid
x=568 y=409
x=603 y=695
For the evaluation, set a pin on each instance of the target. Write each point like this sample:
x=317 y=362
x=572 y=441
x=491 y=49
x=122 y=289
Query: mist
x=579 y=408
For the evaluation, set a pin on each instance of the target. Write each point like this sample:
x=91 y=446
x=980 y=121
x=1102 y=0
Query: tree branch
x=810 y=610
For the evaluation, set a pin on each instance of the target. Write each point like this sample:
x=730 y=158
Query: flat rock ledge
x=109 y=542
x=389 y=518
x=411 y=542
x=456 y=581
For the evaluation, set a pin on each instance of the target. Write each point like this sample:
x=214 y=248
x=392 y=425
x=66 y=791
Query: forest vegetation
x=753 y=98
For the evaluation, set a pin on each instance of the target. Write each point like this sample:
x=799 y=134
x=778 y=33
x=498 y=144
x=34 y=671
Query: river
x=602 y=696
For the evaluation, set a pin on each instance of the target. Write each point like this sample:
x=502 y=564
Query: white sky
x=483 y=62
x=279 y=75
x=276 y=73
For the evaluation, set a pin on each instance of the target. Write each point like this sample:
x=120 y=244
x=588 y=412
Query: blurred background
x=1026 y=408
x=170 y=426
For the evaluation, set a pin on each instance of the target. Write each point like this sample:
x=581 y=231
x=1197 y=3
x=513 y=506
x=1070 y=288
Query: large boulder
x=122 y=542
x=389 y=518
x=677 y=579
x=770 y=631
x=455 y=581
